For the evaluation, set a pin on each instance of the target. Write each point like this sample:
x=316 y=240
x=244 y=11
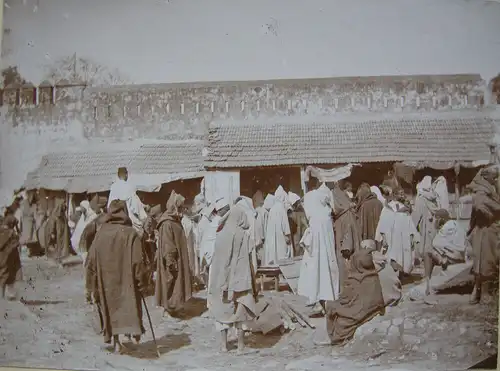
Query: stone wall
x=48 y=119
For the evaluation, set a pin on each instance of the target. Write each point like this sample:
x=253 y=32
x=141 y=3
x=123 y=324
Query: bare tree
x=11 y=76
x=84 y=70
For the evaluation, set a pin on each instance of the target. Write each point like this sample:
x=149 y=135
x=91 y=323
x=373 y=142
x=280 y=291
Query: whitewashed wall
x=222 y=184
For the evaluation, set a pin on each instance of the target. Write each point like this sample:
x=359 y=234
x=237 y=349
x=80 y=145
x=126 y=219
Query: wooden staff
x=150 y=325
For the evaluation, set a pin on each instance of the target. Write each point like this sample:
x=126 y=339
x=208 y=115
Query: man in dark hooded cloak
x=118 y=275
x=173 y=276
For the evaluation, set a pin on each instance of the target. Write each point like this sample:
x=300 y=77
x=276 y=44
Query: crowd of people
x=355 y=248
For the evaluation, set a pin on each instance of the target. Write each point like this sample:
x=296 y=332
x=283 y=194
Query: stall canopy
x=436 y=140
x=94 y=169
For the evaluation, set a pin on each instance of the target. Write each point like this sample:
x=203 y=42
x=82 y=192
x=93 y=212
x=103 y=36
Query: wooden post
x=457 y=190
x=303 y=179
x=69 y=199
x=494 y=159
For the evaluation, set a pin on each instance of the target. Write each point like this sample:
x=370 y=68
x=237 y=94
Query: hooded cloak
x=276 y=246
x=369 y=209
x=117 y=274
x=173 y=280
x=346 y=227
x=57 y=241
x=360 y=300
x=423 y=215
x=484 y=229
x=231 y=286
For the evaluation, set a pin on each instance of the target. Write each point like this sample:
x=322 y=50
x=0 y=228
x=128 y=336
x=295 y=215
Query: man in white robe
x=269 y=202
x=88 y=215
x=207 y=230
x=277 y=244
x=247 y=205
x=441 y=189
x=398 y=235
x=122 y=190
x=319 y=273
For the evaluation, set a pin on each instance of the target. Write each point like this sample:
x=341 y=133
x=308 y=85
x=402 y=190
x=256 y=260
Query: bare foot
x=429 y=291
x=474 y=297
x=118 y=348
x=430 y=300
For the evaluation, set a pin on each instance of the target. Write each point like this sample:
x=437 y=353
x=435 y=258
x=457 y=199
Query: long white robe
x=275 y=246
x=451 y=242
x=441 y=190
x=398 y=227
x=208 y=232
x=86 y=217
x=247 y=205
x=269 y=202
x=319 y=273
x=189 y=227
x=282 y=196
x=124 y=191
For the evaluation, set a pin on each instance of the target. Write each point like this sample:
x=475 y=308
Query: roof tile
x=402 y=139
x=81 y=167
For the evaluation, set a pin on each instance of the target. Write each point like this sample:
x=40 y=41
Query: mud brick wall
x=41 y=120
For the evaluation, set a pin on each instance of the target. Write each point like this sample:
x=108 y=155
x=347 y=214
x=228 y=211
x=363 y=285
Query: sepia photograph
x=218 y=185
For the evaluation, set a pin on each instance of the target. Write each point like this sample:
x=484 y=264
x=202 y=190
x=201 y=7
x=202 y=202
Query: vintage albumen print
x=254 y=185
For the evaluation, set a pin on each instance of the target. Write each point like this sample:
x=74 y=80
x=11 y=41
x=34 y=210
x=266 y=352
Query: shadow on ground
x=195 y=307
x=148 y=349
x=460 y=290
x=411 y=279
x=260 y=341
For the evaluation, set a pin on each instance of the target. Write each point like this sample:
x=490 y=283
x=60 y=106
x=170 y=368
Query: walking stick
x=150 y=325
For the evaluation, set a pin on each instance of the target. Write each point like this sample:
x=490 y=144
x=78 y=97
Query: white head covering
x=328 y=193
x=247 y=203
x=269 y=201
x=293 y=198
x=85 y=205
x=424 y=185
x=281 y=195
x=207 y=210
x=441 y=189
x=221 y=203
x=376 y=191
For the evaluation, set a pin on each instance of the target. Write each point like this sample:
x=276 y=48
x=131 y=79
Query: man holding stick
x=118 y=276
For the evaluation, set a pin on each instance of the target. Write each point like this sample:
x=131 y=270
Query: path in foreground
x=56 y=329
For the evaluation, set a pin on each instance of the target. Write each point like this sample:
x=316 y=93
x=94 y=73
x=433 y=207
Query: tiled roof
x=169 y=157
x=414 y=139
x=94 y=170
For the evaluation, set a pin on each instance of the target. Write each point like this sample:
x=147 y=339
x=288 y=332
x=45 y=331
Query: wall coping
x=426 y=79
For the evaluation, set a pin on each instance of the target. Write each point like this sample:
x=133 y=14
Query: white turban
x=221 y=203
x=293 y=198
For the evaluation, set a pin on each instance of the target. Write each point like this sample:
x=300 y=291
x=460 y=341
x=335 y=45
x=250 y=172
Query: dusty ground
x=56 y=329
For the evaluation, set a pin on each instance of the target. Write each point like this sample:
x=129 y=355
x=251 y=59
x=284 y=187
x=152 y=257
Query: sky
x=153 y=41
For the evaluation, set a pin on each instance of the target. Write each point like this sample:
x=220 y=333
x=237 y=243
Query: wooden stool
x=273 y=272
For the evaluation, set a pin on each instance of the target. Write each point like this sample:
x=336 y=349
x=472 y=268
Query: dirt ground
x=54 y=328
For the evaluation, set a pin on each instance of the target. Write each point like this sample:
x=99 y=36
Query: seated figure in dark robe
x=360 y=300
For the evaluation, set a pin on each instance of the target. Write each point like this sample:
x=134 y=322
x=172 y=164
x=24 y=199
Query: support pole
x=457 y=190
